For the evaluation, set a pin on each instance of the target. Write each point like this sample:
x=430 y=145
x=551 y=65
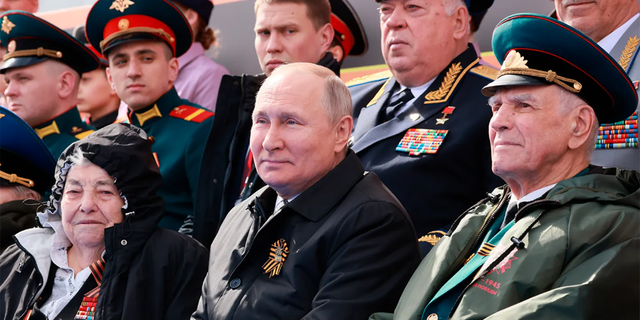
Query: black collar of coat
x=315 y=202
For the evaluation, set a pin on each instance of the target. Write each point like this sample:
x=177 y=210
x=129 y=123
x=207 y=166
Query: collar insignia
x=447 y=83
x=1 y=115
x=75 y=129
x=149 y=114
x=48 y=130
x=447 y=111
x=432 y=237
x=277 y=256
x=121 y=5
x=7 y=25
x=626 y=56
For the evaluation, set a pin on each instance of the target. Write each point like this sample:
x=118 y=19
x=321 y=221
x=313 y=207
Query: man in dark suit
x=422 y=127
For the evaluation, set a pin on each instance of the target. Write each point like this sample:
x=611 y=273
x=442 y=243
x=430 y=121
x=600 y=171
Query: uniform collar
x=315 y=202
x=608 y=42
x=194 y=51
x=160 y=108
x=69 y=122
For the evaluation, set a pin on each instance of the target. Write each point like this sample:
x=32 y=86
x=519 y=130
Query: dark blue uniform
x=439 y=184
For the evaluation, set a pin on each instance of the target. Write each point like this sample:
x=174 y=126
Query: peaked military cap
x=30 y=40
x=24 y=158
x=79 y=34
x=537 y=50
x=114 y=22
x=348 y=28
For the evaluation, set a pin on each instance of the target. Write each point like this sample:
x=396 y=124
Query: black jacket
x=435 y=188
x=16 y=216
x=351 y=251
x=150 y=273
x=226 y=151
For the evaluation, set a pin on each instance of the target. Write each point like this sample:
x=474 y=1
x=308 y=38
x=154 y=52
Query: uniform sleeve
x=606 y=285
x=373 y=256
x=188 y=281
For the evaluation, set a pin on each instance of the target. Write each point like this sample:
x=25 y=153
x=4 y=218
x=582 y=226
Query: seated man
x=26 y=172
x=324 y=239
x=100 y=253
x=561 y=239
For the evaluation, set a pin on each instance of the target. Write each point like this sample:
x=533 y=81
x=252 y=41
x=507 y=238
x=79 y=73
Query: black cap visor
x=512 y=80
x=20 y=62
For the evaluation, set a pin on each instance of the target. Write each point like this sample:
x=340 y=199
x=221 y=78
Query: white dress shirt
x=612 y=38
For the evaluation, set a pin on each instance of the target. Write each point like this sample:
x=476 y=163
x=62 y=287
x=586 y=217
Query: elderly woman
x=100 y=254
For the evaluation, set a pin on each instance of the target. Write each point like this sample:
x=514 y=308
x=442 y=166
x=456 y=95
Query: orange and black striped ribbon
x=90 y=299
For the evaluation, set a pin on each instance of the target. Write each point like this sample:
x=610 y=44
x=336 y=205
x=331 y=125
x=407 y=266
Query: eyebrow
x=103 y=182
x=519 y=98
x=276 y=26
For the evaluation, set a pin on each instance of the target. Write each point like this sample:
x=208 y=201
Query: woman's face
x=90 y=203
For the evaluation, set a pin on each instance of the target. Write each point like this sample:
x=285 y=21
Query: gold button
x=432 y=316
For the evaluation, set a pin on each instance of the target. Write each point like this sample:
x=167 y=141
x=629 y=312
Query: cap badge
x=277 y=256
x=7 y=25
x=121 y=5
x=123 y=24
x=514 y=60
x=11 y=47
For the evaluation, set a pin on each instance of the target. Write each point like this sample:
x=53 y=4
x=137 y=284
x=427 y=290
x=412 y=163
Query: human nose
x=272 y=140
x=501 y=119
x=134 y=70
x=11 y=90
x=274 y=44
x=88 y=203
x=396 y=19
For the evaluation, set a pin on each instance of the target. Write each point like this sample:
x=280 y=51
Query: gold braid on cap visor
x=159 y=32
x=33 y=52
x=13 y=178
x=550 y=76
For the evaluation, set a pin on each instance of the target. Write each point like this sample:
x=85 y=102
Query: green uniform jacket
x=63 y=130
x=178 y=130
x=580 y=260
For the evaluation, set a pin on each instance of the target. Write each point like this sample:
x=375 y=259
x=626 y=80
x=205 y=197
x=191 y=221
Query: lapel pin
x=447 y=111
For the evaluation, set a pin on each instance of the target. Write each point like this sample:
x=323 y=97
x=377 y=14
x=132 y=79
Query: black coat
x=351 y=246
x=434 y=188
x=150 y=273
x=226 y=151
x=16 y=216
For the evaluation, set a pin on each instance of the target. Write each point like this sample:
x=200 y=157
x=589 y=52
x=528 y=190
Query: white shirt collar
x=612 y=38
x=280 y=202
x=530 y=196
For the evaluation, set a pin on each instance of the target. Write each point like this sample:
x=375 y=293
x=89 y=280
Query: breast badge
x=447 y=111
x=420 y=141
x=277 y=256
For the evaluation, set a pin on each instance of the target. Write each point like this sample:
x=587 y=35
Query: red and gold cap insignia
x=277 y=256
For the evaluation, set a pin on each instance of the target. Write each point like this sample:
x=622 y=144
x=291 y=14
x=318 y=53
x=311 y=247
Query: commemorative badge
x=277 y=256
x=447 y=111
x=420 y=141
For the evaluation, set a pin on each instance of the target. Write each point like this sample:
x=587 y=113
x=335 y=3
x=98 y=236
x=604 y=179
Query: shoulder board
x=370 y=78
x=485 y=71
x=190 y=113
x=81 y=132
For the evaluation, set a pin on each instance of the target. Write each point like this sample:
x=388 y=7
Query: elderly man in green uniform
x=26 y=172
x=561 y=239
x=142 y=40
x=42 y=68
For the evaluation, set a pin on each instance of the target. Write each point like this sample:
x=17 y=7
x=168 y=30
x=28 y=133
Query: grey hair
x=336 y=99
x=450 y=6
x=78 y=159
x=568 y=102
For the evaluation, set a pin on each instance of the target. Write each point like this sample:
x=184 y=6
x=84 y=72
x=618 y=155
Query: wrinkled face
x=25 y=5
x=284 y=34
x=94 y=92
x=415 y=35
x=595 y=18
x=292 y=140
x=25 y=90
x=528 y=133
x=141 y=72
x=90 y=203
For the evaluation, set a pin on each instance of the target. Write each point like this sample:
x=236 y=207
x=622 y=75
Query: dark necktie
x=511 y=213
x=397 y=101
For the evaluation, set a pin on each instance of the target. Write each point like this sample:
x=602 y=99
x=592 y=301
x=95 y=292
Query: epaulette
x=383 y=75
x=80 y=132
x=190 y=113
x=485 y=71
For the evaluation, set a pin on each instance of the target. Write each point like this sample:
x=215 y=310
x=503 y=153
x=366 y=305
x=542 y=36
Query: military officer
x=349 y=37
x=142 y=40
x=615 y=25
x=421 y=127
x=42 y=69
x=561 y=239
x=26 y=172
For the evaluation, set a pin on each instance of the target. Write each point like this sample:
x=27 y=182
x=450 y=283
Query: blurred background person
x=615 y=26
x=349 y=35
x=199 y=77
x=26 y=172
x=98 y=102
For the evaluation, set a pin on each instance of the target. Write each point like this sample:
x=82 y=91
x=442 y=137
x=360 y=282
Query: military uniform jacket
x=624 y=154
x=578 y=260
x=346 y=248
x=63 y=130
x=179 y=131
x=434 y=187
